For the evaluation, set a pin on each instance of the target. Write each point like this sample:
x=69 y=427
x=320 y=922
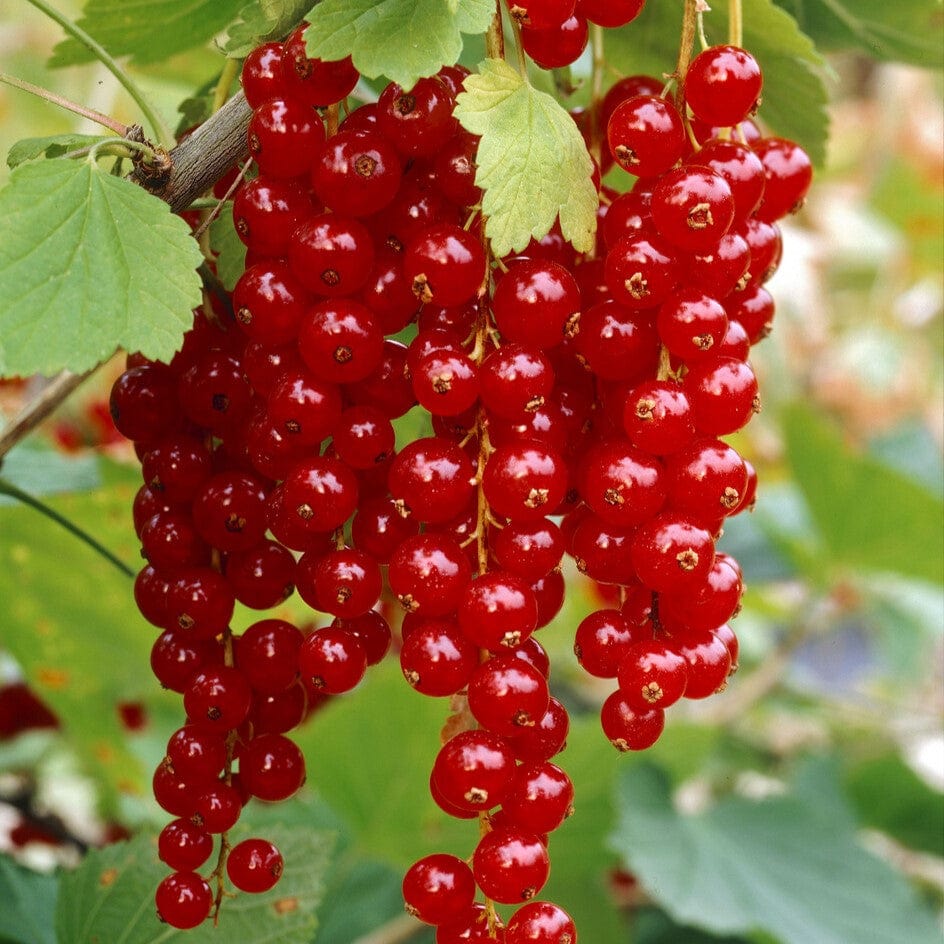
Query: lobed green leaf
x=147 y=30
x=91 y=262
x=533 y=164
x=794 y=98
x=786 y=867
x=404 y=40
x=110 y=897
x=904 y=31
x=53 y=145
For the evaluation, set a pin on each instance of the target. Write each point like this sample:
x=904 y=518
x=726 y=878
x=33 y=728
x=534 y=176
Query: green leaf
x=44 y=471
x=362 y=895
x=90 y=262
x=904 y=31
x=29 y=899
x=230 y=249
x=782 y=866
x=794 y=98
x=888 y=795
x=404 y=728
x=404 y=40
x=72 y=626
x=147 y=30
x=867 y=514
x=110 y=897
x=53 y=145
x=261 y=21
x=532 y=161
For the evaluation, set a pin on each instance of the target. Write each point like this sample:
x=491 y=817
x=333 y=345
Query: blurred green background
x=804 y=804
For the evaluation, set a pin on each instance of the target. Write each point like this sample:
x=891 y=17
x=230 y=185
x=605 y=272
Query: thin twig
x=218 y=208
x=34 y=412
x=90 y=113
x=8 y=488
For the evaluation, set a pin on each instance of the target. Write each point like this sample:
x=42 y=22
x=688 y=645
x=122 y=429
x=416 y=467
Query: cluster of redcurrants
x=554 y=33
x=591 y=389
x=688 y=250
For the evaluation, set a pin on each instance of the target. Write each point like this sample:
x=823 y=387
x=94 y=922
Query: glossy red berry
x=444 y=264
x=183 y=900
x=510 y=865
x=541 y=922
x=285 y=135
x=646 y=135
x=629 y=730
x=723 y=85
x=183 y=846
x=271 y=767
x=331 y=254
x=557 y=46
x=254 y=865
x=437 y=888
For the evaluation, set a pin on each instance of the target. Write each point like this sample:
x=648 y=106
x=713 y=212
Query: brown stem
x=90 y=113
x=203 y=157
x=686 y=42
x=495 y=36
x=41 y=406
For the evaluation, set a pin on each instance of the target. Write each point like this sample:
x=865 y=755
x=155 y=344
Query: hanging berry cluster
x=576 y=405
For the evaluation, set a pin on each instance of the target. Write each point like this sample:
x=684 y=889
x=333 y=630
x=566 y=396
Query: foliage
x=530 y=159
x=67 y=303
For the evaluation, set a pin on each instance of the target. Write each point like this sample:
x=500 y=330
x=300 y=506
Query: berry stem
x=161 y=131
x=224 y=84
x=596 y=92
x=495 y=35
x=332 y=122
x=735 y=23
x=90 y=113
x=687 y=40
x=13 y=491
x=219 y=872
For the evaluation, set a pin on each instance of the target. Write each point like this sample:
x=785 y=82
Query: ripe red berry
x=254 y=865
x=723 y=85
x=437 y=888
x=183 y=900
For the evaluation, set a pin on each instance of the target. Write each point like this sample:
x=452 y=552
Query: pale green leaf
x=110 y=897
x=533 y=164
x=28 y=902
x=794 y=97
x=40 y=470
x=147 y=30
x=903 y=31
x=230 y=249
x=262 y=21
x=404 y=40
x=70 y=622
x=868 y=515
x=90 y=262
x=785 y=866
x=53 y=145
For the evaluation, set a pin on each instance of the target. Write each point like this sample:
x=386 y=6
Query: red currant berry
x=437 y=888
x=510 y=865
x=629 y=730
x=723 y=85
x=183 y=900
x=254 y=865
